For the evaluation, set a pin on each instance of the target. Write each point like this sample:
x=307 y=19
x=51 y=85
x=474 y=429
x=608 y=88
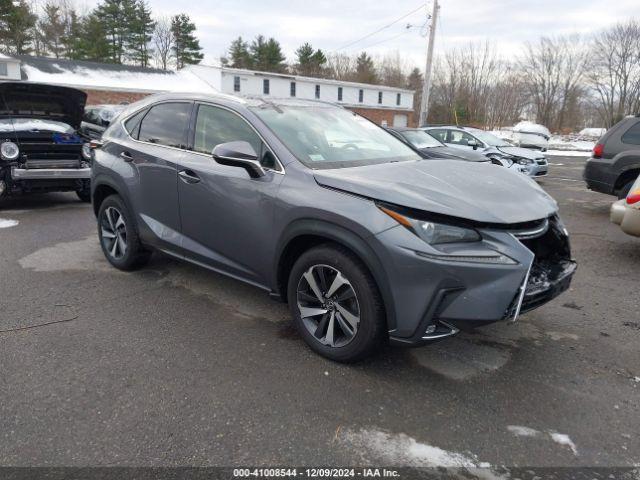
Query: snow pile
x=570 y=143
x=152 y=81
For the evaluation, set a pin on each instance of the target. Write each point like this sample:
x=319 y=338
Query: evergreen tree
x=239 y=56
x=73 y=34
x=140 y=34
x=17 y=27
x=309 y=62
x=51 y=29
x=116 y=17
x=267 y=55
x=365 y=69
x=186 y=47
x=414 y=82
x=92 y=44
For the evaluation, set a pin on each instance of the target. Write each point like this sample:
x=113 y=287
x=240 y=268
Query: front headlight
x=9 y=151
x=524 y=161
x=86 y=151
x=434 y=233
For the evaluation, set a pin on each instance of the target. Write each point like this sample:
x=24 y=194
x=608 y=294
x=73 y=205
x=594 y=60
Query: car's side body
x=530 y=162
x=615 y=162
x=254 y=229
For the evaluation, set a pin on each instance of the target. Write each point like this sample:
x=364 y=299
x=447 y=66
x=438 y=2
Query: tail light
x=633 y=197
x=598 y=150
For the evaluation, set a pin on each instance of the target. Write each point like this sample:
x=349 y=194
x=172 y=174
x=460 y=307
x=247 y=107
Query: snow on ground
x=5 y=223
x=592 y=132
x=559 y=438
x=563 y=439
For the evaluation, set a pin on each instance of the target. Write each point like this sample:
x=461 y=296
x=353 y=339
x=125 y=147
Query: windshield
x=420 y=139
x=490 y=139
x=331 y=137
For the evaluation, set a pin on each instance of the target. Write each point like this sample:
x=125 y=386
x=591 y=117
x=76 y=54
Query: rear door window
x=439 y=134
x=632 y=136
x=166 y=124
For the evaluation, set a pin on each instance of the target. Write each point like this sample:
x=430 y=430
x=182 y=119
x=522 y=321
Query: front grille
x=52 y=163
x=41 y=154
x=541 y=162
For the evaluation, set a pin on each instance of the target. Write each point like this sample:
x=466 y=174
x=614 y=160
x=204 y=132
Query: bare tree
x=163 y=43
x=341 y=66
x=615 y=71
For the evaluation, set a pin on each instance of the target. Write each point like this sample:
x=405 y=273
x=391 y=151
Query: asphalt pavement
x=175 y=365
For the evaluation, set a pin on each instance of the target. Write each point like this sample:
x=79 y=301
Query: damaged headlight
x=86 y=151
x=9 y=151
x=432 y=232
x=524 y=161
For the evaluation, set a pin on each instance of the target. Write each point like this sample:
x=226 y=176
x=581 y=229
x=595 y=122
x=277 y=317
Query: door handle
x=126 y=156
x=188 y=176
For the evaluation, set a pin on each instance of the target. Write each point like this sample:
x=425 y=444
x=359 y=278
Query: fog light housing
x=86 y=151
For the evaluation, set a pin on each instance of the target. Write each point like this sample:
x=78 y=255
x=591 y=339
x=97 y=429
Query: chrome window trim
x=199 y=102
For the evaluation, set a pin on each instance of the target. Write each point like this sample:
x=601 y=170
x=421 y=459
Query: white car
x=626 y=212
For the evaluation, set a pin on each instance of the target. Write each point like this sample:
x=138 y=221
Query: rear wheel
x=335 y=304
x=118 y=236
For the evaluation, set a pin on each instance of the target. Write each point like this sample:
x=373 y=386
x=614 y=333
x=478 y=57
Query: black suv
x=615 y=163
x=41 y=148
x=97 y=118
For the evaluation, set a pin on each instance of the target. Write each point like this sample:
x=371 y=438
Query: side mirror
x=473 y=143
x=239 y=154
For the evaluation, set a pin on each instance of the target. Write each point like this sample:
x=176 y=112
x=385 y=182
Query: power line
x=404 y=32
x=381 y=28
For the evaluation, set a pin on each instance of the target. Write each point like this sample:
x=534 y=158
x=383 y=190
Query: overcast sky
x=331 y=24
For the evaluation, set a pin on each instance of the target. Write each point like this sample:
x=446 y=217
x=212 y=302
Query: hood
x=21 y=100
x=522 y=152
x=478 y=192
x=458 y=153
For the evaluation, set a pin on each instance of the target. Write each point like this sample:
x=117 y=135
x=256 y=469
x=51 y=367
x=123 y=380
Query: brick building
x=113 y=84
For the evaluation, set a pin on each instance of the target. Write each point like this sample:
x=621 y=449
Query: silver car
x=527 y=161
x=365 y=240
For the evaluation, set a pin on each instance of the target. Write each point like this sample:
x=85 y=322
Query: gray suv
x=615 y=162
x=323 y=209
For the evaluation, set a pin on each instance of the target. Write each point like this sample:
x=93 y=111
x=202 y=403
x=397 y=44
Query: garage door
x=400 y=120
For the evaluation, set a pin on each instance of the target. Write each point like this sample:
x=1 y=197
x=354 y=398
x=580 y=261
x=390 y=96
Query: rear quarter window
x=632 y=136
x=166 y=124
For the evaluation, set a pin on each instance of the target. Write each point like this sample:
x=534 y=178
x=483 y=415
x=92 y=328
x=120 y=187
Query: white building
x=109 y=83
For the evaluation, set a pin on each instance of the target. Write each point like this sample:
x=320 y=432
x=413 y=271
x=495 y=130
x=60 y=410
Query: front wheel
x=118 y=236
x=335 y=304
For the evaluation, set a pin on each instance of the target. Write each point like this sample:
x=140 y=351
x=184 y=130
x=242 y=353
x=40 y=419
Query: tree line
x=115 y=31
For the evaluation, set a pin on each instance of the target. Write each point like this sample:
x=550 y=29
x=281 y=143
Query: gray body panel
x=242 y=226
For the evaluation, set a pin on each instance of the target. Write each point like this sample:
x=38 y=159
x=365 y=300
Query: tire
x=624 y=191
x=84 y=195
x=118 y=235
x=355 y=307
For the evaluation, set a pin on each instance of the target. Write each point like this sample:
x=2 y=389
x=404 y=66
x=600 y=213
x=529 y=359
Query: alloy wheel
x=114 y=232
x=328 y=306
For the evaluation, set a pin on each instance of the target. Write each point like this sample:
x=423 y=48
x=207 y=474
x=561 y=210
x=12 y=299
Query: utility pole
x=426 y=86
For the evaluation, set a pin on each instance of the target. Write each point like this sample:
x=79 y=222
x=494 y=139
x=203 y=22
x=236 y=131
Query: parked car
x=531 y=135
x=626 y=212
x=366 y=241
x=531 y=162
x=615 y=162
x=40 y=148
x=428 y=147
x=97 y=118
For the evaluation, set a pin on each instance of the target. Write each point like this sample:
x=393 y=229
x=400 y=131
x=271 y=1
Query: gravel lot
x=175 y=365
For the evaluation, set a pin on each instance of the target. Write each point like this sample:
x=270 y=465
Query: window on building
x=265 y=86
x=398 y=99
x=318 y=91
x=165 y=124
x=379 y=97
x=292 y=89
x=236 y=84
x=4 y=69
x=339 y=94
x=361 y=96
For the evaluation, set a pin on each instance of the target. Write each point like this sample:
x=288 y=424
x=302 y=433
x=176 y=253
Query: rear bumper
x=599 y=176
x=628 y=218
x=50 y=173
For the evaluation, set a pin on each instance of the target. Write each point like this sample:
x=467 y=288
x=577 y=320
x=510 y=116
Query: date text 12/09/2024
x=315 y=472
